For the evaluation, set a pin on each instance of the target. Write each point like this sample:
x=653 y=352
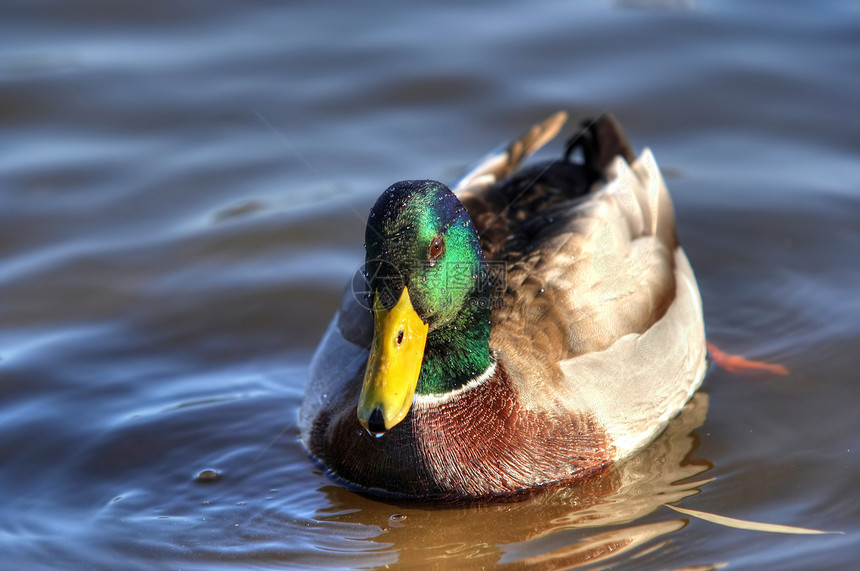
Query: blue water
x=182 y=198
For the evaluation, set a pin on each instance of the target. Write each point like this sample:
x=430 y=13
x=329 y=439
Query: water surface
x=182 y=199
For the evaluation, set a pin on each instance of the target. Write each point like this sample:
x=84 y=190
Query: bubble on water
x=208 y=476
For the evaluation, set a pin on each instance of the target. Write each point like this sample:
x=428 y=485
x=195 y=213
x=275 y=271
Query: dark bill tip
x=376 y=424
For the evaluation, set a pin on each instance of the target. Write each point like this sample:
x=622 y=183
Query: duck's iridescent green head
x=420 y=236
x=426 y=274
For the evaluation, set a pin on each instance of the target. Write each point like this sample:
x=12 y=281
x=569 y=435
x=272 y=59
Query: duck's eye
x=437 y=248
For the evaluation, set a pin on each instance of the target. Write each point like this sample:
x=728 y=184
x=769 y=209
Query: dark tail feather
x=599 y=140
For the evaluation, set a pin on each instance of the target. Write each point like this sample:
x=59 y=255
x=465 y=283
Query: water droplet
x=208 y=475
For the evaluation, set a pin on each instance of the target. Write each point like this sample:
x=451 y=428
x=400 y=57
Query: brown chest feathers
x=481 y=443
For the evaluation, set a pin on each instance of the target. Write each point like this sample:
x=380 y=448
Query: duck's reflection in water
x=552 y=528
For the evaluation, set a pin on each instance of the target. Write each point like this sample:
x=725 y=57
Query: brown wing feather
x=600 y=310
x=584 y=265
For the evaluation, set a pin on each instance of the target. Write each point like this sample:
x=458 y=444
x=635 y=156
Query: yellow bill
x=399 y=336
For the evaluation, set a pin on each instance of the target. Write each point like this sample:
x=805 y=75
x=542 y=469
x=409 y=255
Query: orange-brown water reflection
x=551 y=529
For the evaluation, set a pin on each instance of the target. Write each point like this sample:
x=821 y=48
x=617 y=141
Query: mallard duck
x=531 y=325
